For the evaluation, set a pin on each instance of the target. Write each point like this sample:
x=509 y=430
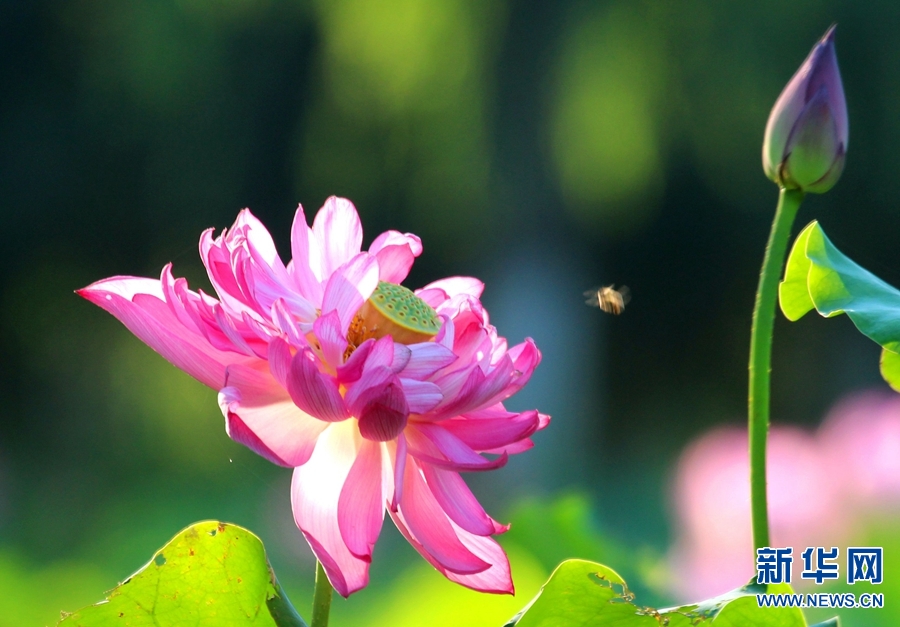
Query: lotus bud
x=806 y=135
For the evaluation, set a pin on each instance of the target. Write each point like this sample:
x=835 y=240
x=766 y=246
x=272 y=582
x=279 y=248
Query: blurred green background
x=545 y=147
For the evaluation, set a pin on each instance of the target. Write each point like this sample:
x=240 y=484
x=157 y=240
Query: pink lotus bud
x=806 y=135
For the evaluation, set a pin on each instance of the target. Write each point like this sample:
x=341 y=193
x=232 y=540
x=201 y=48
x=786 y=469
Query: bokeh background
x=545 y=147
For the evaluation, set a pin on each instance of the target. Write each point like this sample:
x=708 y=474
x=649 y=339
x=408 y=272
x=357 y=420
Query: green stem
x=321 y=598
x=761 y=358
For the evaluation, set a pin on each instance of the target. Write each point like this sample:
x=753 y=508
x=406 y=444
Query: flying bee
x=608 y=299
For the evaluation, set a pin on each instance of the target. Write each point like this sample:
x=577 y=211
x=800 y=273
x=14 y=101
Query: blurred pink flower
x=821 y=486
x=714 y=550
x=376 y=396
x=861 y=435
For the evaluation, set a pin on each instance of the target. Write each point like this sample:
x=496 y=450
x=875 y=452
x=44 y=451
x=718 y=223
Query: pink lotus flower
x=376 y=396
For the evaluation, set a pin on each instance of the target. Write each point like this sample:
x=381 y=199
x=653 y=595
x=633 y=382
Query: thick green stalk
x=761 y=358
x=321 y=598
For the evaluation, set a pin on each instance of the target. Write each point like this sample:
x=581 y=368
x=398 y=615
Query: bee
x=608 y=299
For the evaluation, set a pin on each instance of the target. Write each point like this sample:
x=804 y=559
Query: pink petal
x=472 y=344
x=441 y=461
x=217 y=260
x=202 y=310
x=173 y=291
x=280 y=358
x=353 y=368
x=333 y=343
x=452 y=286
x=399 y=470
x=260 y=414
x=400 y=358
x=361 y=504
x=367 y=356
x=384 y=352
x=282 y=318
x=491 y=433
x=525 y=357
x=520 y=446
x=495 y=580
x=457 y=501
x=433 y=297
x=257 y=334
x=446 y=333
x=433 y=444
x=394 y=264
x=481 y=390
x=426 y=359
x=138 y=304
x=396 y=238
x=338 y=232
x=313 y=392
x=543 y=421
x=315 y=493
x=366 y=388
x=384 y=416
x=452 y=382
x=421 y=396
x=244 y=267
x=396 y=253
x=268 y=280
x=421 y=514
x=257 y=236
x=238 y=430
x=500 y=346
x=349 y=287
x=239 y=260
x=306 y=265
x=512 y=449
x=226 y=325
x=266 y=292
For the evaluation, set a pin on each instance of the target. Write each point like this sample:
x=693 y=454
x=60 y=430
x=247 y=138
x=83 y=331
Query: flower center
x=393 y=310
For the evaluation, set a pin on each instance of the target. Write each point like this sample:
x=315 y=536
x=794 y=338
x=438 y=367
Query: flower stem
x=321 y=598
x=761 y=358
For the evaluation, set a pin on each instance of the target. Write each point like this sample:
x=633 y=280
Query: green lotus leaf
x=210 y=574
x=890 y=368
x=819 y=276
x=592 y=595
